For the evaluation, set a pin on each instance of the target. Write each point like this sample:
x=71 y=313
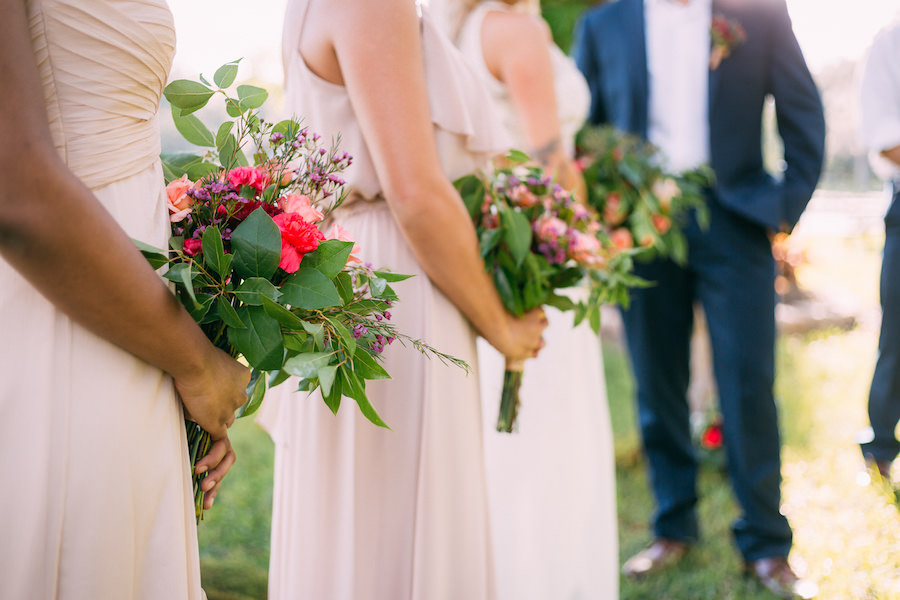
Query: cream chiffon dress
x=551 y=484
x=360 y=512
x=96 y=496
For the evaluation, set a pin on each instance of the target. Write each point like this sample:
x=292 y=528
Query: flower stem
x=199 y=442
x=509 y=400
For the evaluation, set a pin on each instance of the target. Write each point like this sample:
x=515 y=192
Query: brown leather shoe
x=661 y=553
x=776 y=575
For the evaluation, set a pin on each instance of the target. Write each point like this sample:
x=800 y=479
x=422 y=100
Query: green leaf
x=333 y=399
x=261 y=341
x=347 y=339
x=507 y=294
x=225 y=74
x=192 y=129
x=256 y=244
x=391 y=277
x=233 y=107
x=227 y=148
x=214 y=251
x=288 y=128
x=181 y=273
x=155 y=256
x=253 y=290
x=471 y=190
x=256 y=391
x=488 y=240
x=326 y=378
x=278 y=377
x=317 y=331
x=517 y=157
x=306 y=366
x=344 y=285
x=367 y=366
x=377 y=286
x=222 y=133
x=355 y=389
x=329 y=258
x=309 y=289
x=516 y=233
x=170 y=172
x=251 y=96
x=298 y=342
x=228 y=314
x=288 y=319
x=200 y=312
x=186 y=94
x=563 y=303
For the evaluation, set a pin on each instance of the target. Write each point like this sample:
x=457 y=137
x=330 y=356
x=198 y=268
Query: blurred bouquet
x=536 y=241
x=640 y=204
x=252 y=261
x=726 y=35
x=709 y=438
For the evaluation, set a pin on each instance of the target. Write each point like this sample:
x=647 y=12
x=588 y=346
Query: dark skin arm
x=87 y=266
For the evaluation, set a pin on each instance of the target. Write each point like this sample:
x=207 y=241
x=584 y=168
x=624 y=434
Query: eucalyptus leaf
x=306 y=366
x=225 y=74
x=224 y=129
x=377 y=286
x=348 y=342
x=391 y=277
x=517 y=157
x=288 y=320
x=214 y=251
x=344 y=286
x=367 y=365
x=333 y=399
x=187 y=94
x=317 y=331
x=471 y=190
x=354 y=388
x=181 y=273
x=155 y=256
x=251 y=96
x=227 y=313
x=326 y=377
x=192 y=129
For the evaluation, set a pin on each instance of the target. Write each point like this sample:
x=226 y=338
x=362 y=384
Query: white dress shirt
x=678 y=46
x=880 y=100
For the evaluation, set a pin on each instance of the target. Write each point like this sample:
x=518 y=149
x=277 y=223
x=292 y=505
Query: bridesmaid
x=551 y=484
x=362 y=513
x=96 y=492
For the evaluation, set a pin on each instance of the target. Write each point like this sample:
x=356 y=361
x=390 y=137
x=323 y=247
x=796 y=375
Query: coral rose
x=297 y=238
x=178 y=199
x=621 y=238
x=585 y=249
x=339 y=233
x=301 y=205
x=661 y=223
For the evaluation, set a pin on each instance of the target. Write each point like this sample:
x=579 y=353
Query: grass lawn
x=847 y=534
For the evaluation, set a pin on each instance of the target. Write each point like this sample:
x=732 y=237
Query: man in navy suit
x=656 y=70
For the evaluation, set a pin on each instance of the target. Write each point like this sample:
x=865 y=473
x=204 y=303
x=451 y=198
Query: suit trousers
x=884 y=394
x=731 y=272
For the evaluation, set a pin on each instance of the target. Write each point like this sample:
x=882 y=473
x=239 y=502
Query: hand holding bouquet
x=639 y=203
x=537 y=240
x=253 y=262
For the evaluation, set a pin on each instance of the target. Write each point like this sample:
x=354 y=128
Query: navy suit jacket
x=610 y=50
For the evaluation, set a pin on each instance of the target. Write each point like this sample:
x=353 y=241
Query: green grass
x=847 y=535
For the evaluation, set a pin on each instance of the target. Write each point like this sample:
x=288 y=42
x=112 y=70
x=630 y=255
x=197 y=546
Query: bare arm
x=516 y=51
x=892 y=154
x=60 y=238
x=378 y=50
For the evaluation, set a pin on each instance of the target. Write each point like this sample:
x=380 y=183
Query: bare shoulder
x=513 y=28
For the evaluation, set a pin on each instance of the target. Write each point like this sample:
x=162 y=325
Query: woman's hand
x=213 y=392
x=217 y=462
x=522 y=336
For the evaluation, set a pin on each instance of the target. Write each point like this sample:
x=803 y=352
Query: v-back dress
x=360 y=512
x=96 y=495
x=551 y=484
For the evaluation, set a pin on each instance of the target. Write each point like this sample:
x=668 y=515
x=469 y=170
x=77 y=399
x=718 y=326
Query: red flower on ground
x=297 y=238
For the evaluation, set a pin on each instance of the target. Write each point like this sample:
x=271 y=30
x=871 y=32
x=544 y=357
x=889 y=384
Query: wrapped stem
x=509 y=397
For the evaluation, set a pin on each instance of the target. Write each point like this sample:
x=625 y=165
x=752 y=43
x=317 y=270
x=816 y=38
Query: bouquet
x=252 y=261
x=640 y=204
x=537 y=240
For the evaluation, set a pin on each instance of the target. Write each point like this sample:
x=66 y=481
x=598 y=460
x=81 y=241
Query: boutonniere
x=726 y=35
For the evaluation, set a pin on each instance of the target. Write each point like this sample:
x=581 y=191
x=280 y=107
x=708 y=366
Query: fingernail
x=202 y=469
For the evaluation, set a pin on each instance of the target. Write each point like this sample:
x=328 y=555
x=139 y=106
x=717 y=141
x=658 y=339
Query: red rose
x=712 y=437
x=297 y=238
x=192 y=246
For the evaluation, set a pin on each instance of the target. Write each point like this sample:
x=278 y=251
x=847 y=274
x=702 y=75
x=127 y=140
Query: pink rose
x=661 y=223
x=522 y=196
x=585 y=249
x=301 y=205
x=297 y=238
x=179 y=201
x=550 y=228
x=339 y=233
x=255 y=177
x=192 y=246
x=621 y=238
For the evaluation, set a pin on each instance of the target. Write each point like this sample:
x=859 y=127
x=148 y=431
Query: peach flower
x=178 y=199
x=301 y=205
x=339 y=233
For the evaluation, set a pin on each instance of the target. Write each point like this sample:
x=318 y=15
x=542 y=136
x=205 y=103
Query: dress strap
x=294 y=24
